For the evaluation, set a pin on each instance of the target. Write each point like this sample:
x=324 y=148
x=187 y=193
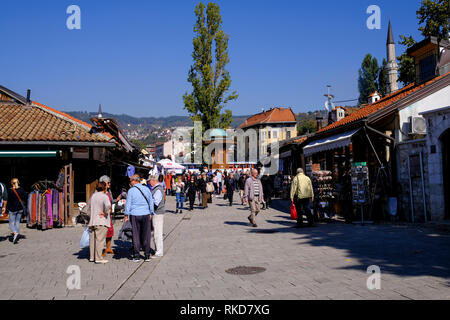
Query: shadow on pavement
x=400 y=250
x=237 y=223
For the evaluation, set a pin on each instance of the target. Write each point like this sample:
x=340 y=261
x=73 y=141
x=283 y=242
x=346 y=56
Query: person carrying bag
x=16 y=207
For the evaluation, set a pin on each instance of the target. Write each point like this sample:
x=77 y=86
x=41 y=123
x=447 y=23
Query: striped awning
x=28 y=154
x=329 y=143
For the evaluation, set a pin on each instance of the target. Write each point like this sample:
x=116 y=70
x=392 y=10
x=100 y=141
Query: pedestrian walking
x=16 y=208
x=139 y=210
x=202 y=189
x=179 y=191
x=168 y=182
x=99 y=222
x=191 y=192
x=230 y=186
x=219 y=181
x=216 y=184
x=158 y=218
x=267 y=184
x=3 y=199
x=278 y=184
x=254 y=195
x=110 y=233
x=301 y=195
x=241 y=185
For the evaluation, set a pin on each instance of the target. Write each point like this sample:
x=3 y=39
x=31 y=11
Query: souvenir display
x=323 y=187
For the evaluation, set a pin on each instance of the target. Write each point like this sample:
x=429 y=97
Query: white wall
x=437 y=100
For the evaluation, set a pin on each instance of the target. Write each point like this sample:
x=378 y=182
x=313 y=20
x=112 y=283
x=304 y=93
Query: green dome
x=218 y=133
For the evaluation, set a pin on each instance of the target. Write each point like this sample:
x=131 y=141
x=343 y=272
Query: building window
x=275 y=134
x=288 y=134
x=268 y=134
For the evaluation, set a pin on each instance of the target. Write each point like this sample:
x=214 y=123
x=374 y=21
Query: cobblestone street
x=328 y=261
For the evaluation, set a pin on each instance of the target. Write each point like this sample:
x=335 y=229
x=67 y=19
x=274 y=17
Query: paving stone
x=326 y=262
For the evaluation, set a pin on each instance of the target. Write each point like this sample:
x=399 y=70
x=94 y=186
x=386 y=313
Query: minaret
x=99 y=111
x=391 y=66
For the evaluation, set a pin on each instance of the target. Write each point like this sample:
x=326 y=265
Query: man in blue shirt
x=139 y=209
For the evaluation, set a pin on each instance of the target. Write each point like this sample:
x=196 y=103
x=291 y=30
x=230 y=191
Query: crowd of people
x=145 y=204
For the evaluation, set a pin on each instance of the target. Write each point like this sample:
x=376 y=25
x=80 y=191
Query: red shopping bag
x=293 y=211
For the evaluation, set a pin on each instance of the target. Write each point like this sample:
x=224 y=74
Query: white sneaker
x=101 y=261
x=156 y=256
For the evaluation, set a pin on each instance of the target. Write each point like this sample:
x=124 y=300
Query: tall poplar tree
x=383 y=79
x=209 y=78
x=368 y=75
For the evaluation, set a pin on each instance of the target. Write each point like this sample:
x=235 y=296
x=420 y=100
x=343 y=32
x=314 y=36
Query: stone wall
x=412 y=151
x=437 y=124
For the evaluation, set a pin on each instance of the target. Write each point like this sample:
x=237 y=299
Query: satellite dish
x=329 y=105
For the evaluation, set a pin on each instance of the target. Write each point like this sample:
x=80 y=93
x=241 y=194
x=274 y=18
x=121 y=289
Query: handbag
x=293 y=211
x=209 y=187
x=85 y=215
x=84 y=242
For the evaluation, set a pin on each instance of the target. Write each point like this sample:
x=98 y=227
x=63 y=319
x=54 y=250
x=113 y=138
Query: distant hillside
x=163 y=122
x=149 y=130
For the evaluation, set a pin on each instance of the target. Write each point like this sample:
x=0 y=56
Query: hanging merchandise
x=322 y=182
x=360 y=187
x=46 y=209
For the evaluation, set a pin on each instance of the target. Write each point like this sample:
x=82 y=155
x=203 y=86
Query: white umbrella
x=170 y=165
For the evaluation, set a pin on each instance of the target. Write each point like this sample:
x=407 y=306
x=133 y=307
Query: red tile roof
x=275 y=115
x=380 y=104
x=42 y=123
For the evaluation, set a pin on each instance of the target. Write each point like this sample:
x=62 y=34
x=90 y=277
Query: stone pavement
x=328 y=261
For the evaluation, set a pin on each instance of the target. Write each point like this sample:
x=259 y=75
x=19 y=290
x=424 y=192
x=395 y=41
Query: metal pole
x=410 y=190
x=423 y=189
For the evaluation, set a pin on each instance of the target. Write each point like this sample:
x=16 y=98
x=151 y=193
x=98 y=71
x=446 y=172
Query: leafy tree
x=433 y=17
x=434 y=14
x=383 y=79
x=368 y=75
x=406 y=65
x=306 y=126
x=139 y=143
x=208 y=76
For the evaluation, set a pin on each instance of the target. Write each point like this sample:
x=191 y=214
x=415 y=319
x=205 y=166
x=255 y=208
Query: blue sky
x=133 y=56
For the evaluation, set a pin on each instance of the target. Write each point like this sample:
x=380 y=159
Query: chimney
x=319 y=122
x=28 y=102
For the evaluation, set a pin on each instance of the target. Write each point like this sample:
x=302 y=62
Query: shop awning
x=329 y=143
x=28 y=154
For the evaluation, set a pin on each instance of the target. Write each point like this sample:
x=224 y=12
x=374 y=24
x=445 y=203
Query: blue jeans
x=14 y=220
x=180 y=201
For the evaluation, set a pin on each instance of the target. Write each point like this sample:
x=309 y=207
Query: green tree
x=407 y=69
x=433 y=18
x=433 y=15
x=306 y=126
x=368 y=75
x=208 y=76
x=382 y=79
